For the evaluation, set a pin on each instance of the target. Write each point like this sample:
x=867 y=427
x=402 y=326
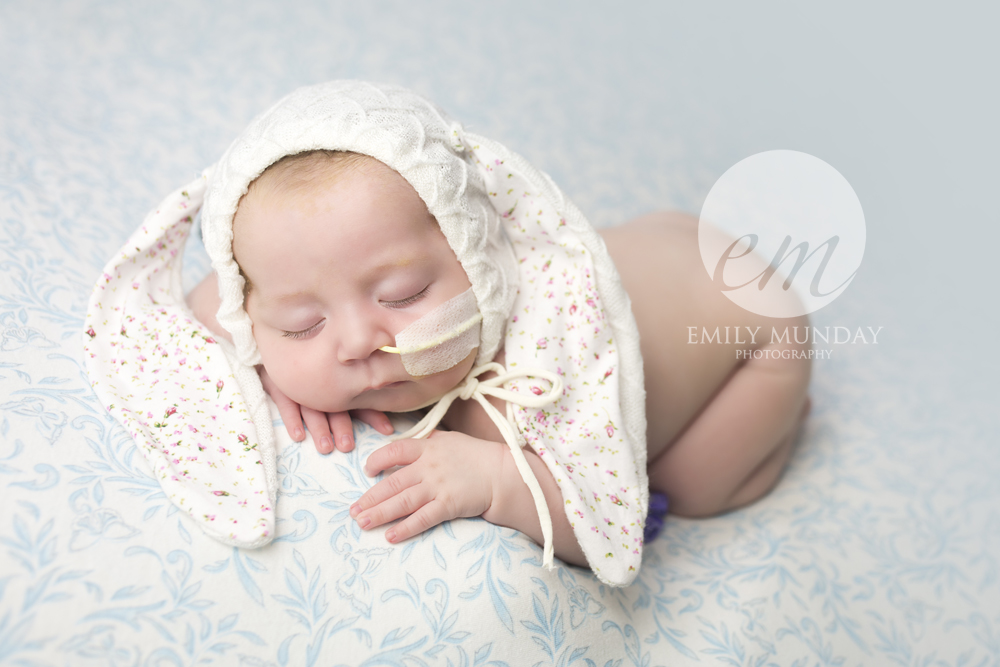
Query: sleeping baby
x=374 y=257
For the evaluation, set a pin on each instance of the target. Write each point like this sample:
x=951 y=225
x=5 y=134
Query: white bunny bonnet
x=543 y=281
x=403 y=131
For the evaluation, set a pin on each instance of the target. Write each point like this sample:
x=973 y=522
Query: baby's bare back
x=661 y=269
x=731 y=422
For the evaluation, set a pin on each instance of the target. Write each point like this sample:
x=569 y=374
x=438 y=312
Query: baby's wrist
x=507 y=504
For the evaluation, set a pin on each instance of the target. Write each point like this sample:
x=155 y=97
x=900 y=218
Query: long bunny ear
x=169 y=382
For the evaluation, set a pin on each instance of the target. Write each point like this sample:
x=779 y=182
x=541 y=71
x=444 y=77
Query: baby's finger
x=291 y=416
x=391 y=486
x=319 y=427
x=399 y=453
x=423 y=519
x=343 y=430
x=376 y=419
x=402 y=504
x=287 y=408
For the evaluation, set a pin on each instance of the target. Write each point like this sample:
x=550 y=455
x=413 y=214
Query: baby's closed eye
x=294 y=335
x=402 y=303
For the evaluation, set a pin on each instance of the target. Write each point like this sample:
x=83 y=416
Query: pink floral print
x=184 y=411
x=558 y=323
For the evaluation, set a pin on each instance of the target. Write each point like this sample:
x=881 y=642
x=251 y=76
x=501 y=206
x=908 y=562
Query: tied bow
x=476 y=389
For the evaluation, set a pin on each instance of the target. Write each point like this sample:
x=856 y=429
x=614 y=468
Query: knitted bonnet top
x=545 y=285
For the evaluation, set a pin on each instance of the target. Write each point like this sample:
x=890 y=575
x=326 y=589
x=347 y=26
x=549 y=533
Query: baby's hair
x=293 y=175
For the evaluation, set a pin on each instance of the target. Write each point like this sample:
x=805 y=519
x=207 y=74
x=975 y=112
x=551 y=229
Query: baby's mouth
x=385 y=385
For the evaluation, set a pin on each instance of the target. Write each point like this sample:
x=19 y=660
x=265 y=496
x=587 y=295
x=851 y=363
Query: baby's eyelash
x=401 y=303
x=299 y=334
x=408 y=300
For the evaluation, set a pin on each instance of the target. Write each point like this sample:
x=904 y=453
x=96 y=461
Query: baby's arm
x=451 y=475
x=204 y=301
x=328 y=429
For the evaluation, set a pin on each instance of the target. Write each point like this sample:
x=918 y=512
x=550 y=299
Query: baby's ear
x=170 y=383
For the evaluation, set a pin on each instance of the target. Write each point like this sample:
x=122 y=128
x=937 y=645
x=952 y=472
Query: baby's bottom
x=721 y=422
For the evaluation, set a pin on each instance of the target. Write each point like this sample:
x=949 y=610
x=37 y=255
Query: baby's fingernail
x=326 y=444
x=363 y=522
x=390 y=535
x=387 y=427
x=346 y=443
x=355 y=509
x=297 y=435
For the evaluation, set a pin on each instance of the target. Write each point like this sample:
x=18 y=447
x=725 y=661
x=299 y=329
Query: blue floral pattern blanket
x=878 y=547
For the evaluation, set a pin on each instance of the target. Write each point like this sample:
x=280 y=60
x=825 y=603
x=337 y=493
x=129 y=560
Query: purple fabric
x=658 y=506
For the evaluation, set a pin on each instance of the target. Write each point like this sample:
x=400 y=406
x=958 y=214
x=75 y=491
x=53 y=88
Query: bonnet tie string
x=476 y=389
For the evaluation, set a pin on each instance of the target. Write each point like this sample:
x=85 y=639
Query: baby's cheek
x=309 y=378
x=285 y=369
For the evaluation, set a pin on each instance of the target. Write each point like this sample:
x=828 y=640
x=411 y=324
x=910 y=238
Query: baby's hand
x=327 y=428
x=447 y=476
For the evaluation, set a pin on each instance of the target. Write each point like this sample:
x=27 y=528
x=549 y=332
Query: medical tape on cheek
x=440 y=339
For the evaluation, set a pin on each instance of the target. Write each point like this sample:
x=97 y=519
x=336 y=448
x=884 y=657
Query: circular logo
x=782 y=233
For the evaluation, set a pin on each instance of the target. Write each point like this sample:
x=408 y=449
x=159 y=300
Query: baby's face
x=337 y=271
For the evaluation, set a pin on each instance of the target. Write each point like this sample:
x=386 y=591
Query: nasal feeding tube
x=440 y=339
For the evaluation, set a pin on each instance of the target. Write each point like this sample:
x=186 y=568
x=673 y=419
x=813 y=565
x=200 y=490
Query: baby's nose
x=359 y=338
